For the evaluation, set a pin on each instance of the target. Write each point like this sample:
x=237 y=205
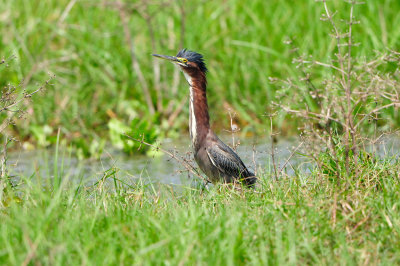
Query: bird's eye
x=184 y=60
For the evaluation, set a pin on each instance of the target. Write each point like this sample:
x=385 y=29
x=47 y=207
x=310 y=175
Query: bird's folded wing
x=226 y=160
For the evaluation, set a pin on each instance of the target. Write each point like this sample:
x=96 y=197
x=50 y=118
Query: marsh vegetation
x=78 y=83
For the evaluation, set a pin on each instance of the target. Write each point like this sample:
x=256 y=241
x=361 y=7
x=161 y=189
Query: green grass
x=297 y=220
x=242 y=41
x=305 y=218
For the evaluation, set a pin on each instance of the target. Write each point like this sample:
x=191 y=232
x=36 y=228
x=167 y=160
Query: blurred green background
x=100 y=54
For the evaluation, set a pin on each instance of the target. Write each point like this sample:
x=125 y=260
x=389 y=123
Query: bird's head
x=187 y=60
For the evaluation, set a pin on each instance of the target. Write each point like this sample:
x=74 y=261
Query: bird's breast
x=192 y=120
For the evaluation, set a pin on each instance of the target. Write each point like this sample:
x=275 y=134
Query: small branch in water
x=234 y=128
x=290 y=157
x=273 y=146
x=181 y=161
x=254 y=160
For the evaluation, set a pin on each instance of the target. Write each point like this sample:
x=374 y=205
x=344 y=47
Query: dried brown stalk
x=353 y=95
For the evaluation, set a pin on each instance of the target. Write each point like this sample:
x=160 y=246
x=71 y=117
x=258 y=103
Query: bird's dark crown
x=193 y=57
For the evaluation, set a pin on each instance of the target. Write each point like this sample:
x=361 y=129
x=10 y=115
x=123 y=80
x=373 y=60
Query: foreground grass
x=290 y=221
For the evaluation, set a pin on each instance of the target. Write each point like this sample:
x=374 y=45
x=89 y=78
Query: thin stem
x=181 y=161
x=135 y=63
x=3 y=169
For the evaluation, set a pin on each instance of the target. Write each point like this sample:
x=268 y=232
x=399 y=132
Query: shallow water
x=255 y=153
x=161 y=169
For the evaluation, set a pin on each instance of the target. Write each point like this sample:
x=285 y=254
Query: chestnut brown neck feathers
x=199 y=119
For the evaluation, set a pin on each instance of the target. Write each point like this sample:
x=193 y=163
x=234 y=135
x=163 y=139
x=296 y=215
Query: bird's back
x=218 y=161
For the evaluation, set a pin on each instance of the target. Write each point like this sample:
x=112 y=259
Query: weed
x=338 y=111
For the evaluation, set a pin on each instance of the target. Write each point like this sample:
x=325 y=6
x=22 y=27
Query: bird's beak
x=167 y=57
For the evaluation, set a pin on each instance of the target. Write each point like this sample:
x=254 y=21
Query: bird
x=215 y=159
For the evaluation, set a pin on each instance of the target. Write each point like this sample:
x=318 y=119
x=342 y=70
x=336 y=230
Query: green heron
x=217 y=160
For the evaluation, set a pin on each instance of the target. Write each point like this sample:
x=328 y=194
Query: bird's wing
x=226 y=160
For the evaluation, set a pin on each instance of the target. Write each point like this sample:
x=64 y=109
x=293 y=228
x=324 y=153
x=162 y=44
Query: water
x=161 y=169
x=256 y=154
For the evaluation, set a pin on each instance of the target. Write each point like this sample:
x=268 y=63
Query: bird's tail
x=249 y=179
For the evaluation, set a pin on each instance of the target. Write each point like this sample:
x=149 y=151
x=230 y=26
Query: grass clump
x=341 y=112
x=14 y=99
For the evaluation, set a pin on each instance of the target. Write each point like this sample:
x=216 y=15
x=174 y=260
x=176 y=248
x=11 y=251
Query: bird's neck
x=199 y=119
